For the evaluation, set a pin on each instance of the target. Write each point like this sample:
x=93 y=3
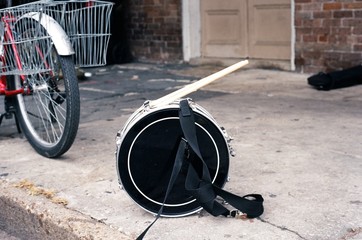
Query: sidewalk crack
x=351 y=233
x=283 y=228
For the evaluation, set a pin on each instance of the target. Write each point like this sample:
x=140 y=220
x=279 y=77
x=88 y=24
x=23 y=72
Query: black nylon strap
x=180 y=155
x=202 y=188
x=187 y=121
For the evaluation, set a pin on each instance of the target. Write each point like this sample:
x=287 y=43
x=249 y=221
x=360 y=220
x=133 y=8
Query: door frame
x=191 y=31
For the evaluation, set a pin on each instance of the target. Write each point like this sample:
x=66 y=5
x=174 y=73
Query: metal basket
x=87 y=24
x=18 y=47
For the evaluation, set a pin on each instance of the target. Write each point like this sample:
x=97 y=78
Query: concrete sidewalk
x=298 y=147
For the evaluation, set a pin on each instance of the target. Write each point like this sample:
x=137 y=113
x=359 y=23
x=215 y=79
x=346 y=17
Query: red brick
x=359 y=39
x=297 y=22
x=357 y=48
x=352 y=22
x=322 y=14
x=323 y=38
x=331 y=23
x=312 y=54
x=357 y=30
x=304 y=15
x=298 y=7
x=332 y=55
x=321 y=31
x=332 y=6
x=353 y=5
x=307 y=23
x=303 y=31
x=357 y=14
x=312 y=7
x=351 y=57
x=341 y=31
x=314 y=23
x=343 y=14
x=310 y=38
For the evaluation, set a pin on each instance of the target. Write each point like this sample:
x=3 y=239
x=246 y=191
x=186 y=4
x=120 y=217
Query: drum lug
x=118 y=135
x=227 y=136
x=232 y=151
x=146 y=106
x=191 y=102
x=118 y=139
x=228 y=139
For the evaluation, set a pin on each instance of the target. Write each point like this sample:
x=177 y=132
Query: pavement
x=299 y=147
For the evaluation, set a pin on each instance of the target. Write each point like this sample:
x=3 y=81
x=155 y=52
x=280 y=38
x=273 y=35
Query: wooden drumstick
x=169 y=98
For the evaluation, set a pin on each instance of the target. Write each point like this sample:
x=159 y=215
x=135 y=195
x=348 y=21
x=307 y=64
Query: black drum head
x=147 y=153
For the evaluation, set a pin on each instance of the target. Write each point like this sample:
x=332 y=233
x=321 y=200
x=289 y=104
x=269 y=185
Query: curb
x=35 y=217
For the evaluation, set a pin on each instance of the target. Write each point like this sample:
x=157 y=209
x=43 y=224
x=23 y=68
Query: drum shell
x=145 y=155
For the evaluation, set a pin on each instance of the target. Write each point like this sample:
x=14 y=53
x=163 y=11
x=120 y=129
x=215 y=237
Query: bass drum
x=146 y=150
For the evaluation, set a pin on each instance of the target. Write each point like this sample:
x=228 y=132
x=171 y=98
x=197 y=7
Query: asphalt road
x=5 y=236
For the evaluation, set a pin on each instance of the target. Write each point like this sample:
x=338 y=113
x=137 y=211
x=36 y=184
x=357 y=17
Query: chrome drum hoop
x=145 y=157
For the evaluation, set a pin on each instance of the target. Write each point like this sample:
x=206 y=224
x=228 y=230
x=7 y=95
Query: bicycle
x=38 y=62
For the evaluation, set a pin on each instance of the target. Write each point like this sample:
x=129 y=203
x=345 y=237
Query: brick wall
x=155 y=30
x=328 y=34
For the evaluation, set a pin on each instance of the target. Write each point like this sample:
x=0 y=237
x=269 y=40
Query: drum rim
x=145 y=110
x=142 y=113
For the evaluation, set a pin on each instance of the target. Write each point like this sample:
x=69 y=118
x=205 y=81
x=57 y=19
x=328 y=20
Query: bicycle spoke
x=52 y=114
x=41 y=110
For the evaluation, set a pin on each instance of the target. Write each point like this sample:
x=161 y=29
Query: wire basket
x=24 y=44
x=27 y=48
x=87 y=24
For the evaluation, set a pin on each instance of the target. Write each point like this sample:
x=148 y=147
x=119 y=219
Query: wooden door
x=223 y=27
x=246 y=28
x=269 y=34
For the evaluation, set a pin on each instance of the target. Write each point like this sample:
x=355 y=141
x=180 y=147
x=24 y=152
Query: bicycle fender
x=58 y=35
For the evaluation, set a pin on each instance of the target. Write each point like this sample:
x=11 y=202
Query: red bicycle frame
x=8 y=36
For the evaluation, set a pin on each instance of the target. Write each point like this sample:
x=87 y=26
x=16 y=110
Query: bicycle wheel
x=49 y=109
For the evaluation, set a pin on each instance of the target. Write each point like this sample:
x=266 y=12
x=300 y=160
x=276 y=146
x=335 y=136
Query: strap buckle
x=237 y=214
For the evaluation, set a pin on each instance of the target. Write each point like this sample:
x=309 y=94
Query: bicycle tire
x=49 y=110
